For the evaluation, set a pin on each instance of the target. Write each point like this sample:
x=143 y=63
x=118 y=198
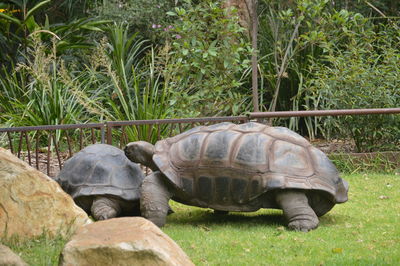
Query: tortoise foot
x=298 y=213
x=104 y=208
x=303 y=225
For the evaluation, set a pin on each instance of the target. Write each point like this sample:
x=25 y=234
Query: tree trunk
x=247 y=12
x=243 y=12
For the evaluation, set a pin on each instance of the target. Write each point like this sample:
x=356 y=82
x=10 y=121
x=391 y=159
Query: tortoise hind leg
x=296 y=209
x=104 y=208
x=154 y=199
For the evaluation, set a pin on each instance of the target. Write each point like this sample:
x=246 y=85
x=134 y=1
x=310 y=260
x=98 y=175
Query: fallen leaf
x=337 y=250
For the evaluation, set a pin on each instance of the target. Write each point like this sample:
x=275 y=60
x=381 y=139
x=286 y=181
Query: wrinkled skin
x=104 y=208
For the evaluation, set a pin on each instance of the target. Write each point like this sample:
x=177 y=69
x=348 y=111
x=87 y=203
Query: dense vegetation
x=76 y=61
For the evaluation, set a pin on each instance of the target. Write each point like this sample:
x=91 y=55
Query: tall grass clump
x=38 y=92
x=123 y=81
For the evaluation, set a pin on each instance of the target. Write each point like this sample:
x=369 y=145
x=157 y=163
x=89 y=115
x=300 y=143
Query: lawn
x=363 y=231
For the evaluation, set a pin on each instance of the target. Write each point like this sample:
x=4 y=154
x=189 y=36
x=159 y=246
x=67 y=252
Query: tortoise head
x=141 y=152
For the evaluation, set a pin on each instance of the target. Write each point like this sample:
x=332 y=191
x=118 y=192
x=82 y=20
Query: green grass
x=41 y=251
x=363 y=231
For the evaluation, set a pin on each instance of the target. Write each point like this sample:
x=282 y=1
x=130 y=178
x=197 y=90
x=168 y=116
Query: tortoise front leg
x=104 y=208
x=300 y=216
x=154 y=199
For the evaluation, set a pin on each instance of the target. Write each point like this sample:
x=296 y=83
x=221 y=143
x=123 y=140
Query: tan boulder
x=31 y=203
x=122 y=241
x=9 y=258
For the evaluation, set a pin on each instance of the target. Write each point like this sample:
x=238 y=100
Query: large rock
x=122 y=241
x=9 y=258
x=31 y=203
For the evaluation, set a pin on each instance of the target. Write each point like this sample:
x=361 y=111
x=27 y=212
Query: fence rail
x=55 y=138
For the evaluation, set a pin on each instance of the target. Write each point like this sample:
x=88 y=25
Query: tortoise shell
x=101 y=169
x=227 y=164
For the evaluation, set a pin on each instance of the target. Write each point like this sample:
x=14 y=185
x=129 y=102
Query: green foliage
x=206 y=59
x=38 y=92
x=314 y=57
x=42 y=250
x=122 y=83
x=142 y=15
x=23 y=20
x=364 y=75
x=17 y=21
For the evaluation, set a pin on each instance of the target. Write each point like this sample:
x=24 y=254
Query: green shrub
x=364 y=75
x=141 y=15
x=205 y=59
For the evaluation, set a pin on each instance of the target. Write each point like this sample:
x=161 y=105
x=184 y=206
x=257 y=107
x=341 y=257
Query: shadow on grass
x=207 y=217
x=335 y=219
x=274 y=218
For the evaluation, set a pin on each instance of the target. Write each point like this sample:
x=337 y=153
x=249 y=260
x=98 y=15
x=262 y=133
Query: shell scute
x=222 y=189
x=239 y=189
x=253 y=152
x=188 y=150
x=291 y=159
x=100 y=174
x=205 y=189
x=249 y=127
x=286 y=134
x=220 y=126
x=218 y=146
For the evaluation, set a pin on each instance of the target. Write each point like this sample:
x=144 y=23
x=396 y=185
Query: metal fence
x=38 y=144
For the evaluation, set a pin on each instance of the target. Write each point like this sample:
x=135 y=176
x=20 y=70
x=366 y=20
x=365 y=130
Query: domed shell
x=227 y=163
x=101 y=169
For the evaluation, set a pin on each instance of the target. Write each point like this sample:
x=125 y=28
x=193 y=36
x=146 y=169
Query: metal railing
x=47 y=140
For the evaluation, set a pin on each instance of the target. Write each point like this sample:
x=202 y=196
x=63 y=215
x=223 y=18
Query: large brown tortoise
x=102 y=181
x=245 y=167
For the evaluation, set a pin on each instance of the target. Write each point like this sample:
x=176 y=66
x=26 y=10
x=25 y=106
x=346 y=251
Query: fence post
x=109 y=133
x=102 y=133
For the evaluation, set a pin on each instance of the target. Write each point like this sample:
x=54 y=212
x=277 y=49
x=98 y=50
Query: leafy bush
x=205 y=59
x=141 y=15
x=364 y=75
